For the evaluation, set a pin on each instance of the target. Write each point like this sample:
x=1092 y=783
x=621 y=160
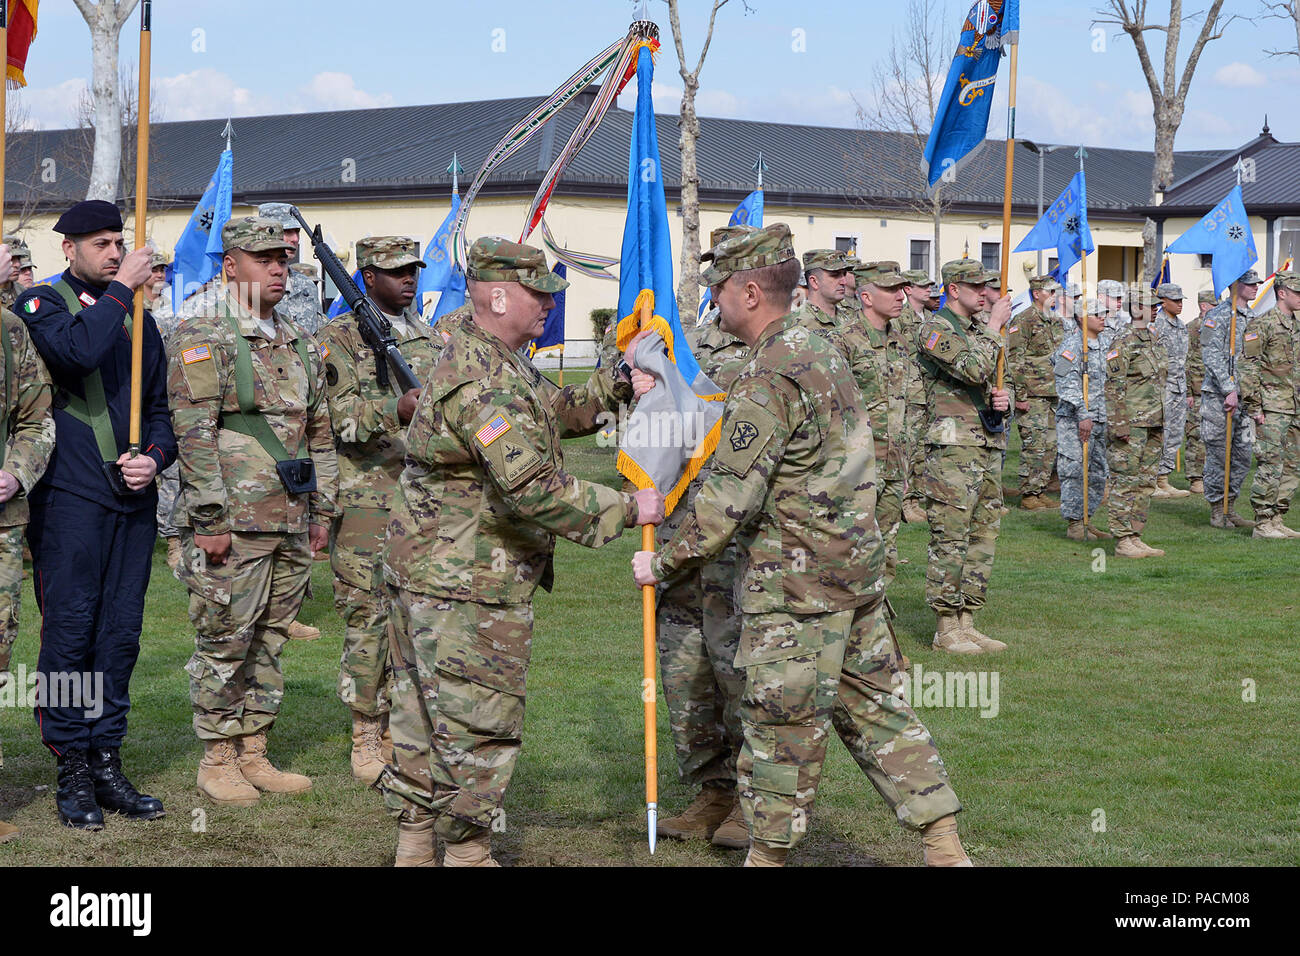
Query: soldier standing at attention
x=1174 y=337
x=472 y=533
x=1220 y=398
x=258 y=481
x=1079 y=422
x=1270 y=386
x=21 y=275
x=796 y=470
x=1194 y=451
x=828 y=276
x=369 y=428
x=915 y=310
x=1112 y=298
x=1136 y=374
x=965 y=438
x=1033 y=337
x=92 y=526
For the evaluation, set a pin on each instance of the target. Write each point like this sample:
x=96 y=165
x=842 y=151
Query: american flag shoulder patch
x=492 y=431
x=1067 y=355
x=1113 y=353
x=324 y=351
x=1251 y=336
x=1012 y=328
x=933 y=340
x=200 y=353
x=1208 y=324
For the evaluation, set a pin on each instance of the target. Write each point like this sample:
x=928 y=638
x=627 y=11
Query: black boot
x=114 y=792
x=75 y=797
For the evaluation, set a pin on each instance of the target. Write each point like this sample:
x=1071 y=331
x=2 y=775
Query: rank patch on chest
x=492 y=431
x=1067 y=355
x=743 y=435
x=200 y=353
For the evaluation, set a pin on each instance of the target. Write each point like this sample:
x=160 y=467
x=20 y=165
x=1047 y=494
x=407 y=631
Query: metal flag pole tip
x=652 y=824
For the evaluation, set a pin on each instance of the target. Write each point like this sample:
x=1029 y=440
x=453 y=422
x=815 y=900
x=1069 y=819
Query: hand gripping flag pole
x=141 y=208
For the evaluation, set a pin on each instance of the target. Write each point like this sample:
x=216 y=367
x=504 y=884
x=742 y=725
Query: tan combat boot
x=1162 y=488
x=1128 y=547
x=705 y=814
x=476 y=851
x=1197 y=487
x=733 y=832
x=1235 y=520
x=1035 y=503
x=416 y=844
x=1268 y=528
x=950 y=637
x=1170 y=491
x=1153 y=552
x=219 y=776
x=367 y=747
x=173 y=552
x=913 y=513
x=302 y=632
x=7 y=832
x=258 y=771
x=942 y=845
x=986 y=643
x=1216 y=515
x=760 y=854
x=1289 y=532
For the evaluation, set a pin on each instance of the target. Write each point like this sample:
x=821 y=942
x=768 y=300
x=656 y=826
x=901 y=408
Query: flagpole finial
x=228 y=133
x=759 y=168
x=1081 y=153
x=455 y=169
x=1239 y=168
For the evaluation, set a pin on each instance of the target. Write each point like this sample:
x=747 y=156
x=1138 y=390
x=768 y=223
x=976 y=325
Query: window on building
x=1288 y=234
x=846 y=244
x=921 y=255
x=1052 y=263
x=991 y=255
x=1206 y=260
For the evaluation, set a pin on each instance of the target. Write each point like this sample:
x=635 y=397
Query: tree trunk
x=688 y=286
x=935 y=261
x=105 y=166
x=1162 y=177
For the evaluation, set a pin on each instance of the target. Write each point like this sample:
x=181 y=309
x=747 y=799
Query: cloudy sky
x=802 y=62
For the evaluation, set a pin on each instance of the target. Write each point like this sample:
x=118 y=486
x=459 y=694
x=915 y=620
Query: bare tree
x=907 y=84
x=21 y=204
x=1289 y=10
x=105 y=20
x=688 y=285
x=1168 y=89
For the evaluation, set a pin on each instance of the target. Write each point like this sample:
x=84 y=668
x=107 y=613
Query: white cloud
x=337 y=91
x=54 y=107
x=1239 y=76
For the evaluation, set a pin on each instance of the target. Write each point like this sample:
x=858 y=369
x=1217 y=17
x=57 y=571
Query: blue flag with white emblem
x=197 y=256
x=1064 y=227
x=439 y=275
x=961 y=120
x=1225 y=235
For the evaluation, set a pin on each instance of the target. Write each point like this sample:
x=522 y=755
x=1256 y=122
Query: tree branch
x=87 y=8
x=1210 y=30
x=124 y=8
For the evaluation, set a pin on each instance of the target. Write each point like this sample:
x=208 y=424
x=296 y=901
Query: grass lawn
x=1121 y=696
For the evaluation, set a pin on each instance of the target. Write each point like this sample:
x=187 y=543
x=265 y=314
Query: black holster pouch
x=113 y=472
x=992 y=420
x=298 y=475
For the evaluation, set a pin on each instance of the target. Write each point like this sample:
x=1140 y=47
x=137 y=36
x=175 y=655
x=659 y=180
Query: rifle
x=376 y=331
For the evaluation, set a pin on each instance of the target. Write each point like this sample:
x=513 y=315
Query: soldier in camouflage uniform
x=828 y=276
x=1136 y=377
x=958 y=355
x=471 y=536
x=157 y=300
x=816 y=645
x=301 y=298
x=915 y=310
x=1220 y=397
x=25 y=446
x=1078 y=421
x=369 y=423
x=1033 y=336
x=247 y=389
x=1194 y=450
x=1270 y=394
x=1174 y=337
x=22 y=275
x=1112 y=298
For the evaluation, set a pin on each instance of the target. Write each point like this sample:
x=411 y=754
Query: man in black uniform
x=92 y=514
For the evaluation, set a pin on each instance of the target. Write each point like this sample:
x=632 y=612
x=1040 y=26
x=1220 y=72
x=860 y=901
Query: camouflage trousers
x=169 y=488
x=1214 y=432
x=1069 y=465
x=1175 y=420
x=914 y=449
x=964 y=486
x=698 y=631
x=11 y=589
x=1037 y=444
x=1194 y=449
x=1277 y=465
x=889 y=515
x=1134 y=455
x=241 y=610
x=361 y=599
x=459 y=670
x=807 y=673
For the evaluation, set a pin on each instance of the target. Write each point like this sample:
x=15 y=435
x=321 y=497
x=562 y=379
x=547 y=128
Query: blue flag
x=961 y=120
x=453 y=297
x=340 y=305
x=1064 y=227
x=552 y=336
x=198 y=251
x=1225 y=235
x=439 y=264
x=1163 y=276
x=748 y=213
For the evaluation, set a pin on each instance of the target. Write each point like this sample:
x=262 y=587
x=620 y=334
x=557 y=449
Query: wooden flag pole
x=4 y=102
x=141 y=208
x=1083 y=321
x=1006 y=202
x=1232 y=364
x=648 y=686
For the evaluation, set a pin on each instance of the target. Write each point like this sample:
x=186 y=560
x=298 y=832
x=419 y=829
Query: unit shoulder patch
x=748 y=430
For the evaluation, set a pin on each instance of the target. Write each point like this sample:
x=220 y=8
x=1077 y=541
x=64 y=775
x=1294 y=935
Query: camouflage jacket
x=228 y=482
x=1270 y=364
x=905 y=326
x=484 y=491
x=793 y=481
x=957 y=356
x=1136 y=371
x=369 y=438
x=1033 y=337
x=301 y=302
x=1174 y=337
x=1069 y=377
x=1195 y=365
x=1117 y=321
x=29 y=422
x=1220 y=370
x=887 y=405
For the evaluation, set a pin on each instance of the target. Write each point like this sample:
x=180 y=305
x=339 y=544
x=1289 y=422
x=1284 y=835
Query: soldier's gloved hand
x=318 y=538
x=8 y=486
x=406 y=405
x=138 y=471
x=1022 y=407
x=6 y=264
x=135 y=268
x=1230 y=402
x=642 y=382
x=641 y=572
x=1001 y=399
x=650 y=506
x=1085 y=429
x=215 y=547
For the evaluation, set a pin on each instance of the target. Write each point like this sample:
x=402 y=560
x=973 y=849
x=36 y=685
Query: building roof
x=402 y=152
x=1270 y=184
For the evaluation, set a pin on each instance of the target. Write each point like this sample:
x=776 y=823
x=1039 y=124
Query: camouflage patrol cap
x=883 y=275
x=853 y=261
x=157 y=259
x=388 y=252
x=1289 y=279
x=253 y=234
x=1111 y=288
x=1094 y=306
x=965 y=270
x=1207 y=297
x=723 y=233
x=494 y=259
x=280 y=212
x=1249 y=277
x=917 y=277
x=1043 y=284
x=1170 y=290
x=768 y=246
x=832 y=260
x=307 y=269
x=22 y=255
x=1146 y=297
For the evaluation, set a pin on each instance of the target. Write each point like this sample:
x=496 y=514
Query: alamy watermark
x=71 y=689
x=973 y=689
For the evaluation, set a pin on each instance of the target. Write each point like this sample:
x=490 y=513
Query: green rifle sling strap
x=974 y=392
x=93 y=409
x=4 y=416
x=249 y=420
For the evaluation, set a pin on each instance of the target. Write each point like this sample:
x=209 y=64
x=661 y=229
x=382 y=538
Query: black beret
x=89 y=215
